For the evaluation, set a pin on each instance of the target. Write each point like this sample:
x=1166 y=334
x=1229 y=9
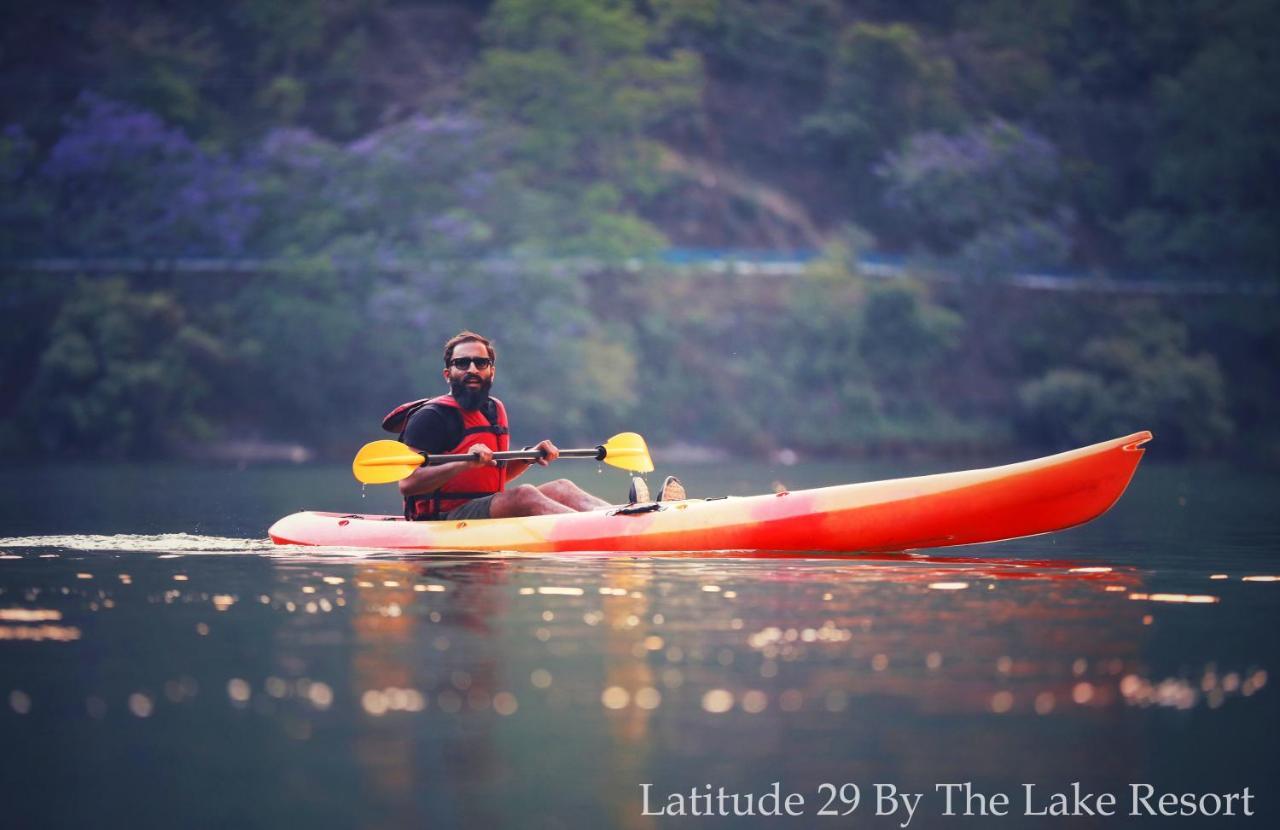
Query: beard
x=470 y=399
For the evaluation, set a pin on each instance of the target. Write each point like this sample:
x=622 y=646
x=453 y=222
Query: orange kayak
x=960 y=508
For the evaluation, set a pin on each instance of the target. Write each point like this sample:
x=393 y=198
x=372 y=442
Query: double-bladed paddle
x=382 y=462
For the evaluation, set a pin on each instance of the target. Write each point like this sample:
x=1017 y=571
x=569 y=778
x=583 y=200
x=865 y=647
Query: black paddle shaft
x=517 y=455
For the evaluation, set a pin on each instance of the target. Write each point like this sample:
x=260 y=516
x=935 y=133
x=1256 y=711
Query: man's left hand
x=550 y=452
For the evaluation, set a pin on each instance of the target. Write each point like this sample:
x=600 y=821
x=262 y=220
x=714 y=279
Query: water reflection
x=488 y=691
x=706 y=660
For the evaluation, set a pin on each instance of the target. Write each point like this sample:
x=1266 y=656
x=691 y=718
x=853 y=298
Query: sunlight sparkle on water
x=548 y=590
x=1195 y=599
x=717 y=701
x=791 y=700
x=238 y=690
x=615 y=697
x=377 y=702
x=505 y=703
x=36 y=633
x=29 y=614
x=754 y=701
x=648 y=698
x=141 y=705
x=20 y=701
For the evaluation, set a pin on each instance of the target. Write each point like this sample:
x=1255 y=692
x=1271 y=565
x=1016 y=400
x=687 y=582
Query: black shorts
x=474 y=509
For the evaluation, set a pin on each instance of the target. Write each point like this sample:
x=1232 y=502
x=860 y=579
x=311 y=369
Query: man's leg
x=524 y=500
x=565 y=492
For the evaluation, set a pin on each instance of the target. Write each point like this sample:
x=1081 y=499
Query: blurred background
x=244 y=229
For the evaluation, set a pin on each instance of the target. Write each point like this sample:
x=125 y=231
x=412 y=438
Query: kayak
x=959 y=508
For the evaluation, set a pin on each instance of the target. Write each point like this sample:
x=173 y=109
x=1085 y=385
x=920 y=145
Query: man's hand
x=482 y=456
x=550 y=452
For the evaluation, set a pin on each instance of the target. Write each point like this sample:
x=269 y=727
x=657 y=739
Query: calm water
x=161 y=665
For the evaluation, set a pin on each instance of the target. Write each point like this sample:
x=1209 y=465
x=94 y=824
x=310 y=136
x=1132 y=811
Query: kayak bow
x=960 y=508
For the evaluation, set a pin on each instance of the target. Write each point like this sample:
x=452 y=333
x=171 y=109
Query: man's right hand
x=482 y=456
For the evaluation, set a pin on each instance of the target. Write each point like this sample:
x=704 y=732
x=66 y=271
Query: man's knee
x=525 y=494
x=559 y=485
x=518 y=500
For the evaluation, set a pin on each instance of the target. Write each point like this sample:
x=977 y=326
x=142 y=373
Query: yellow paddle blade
x=382 y=462
x=628 y=451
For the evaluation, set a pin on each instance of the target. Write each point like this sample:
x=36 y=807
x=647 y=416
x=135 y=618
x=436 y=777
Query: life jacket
x=472 y=483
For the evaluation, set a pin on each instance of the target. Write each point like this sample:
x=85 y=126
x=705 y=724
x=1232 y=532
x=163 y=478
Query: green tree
x=905 y=339
x=884 y=83
x=1141 y=375
x=121 y=374
x=222 y=71
x=580 y=86
x=1214 y=203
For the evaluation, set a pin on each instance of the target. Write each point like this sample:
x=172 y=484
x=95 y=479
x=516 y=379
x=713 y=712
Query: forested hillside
x=259 y=218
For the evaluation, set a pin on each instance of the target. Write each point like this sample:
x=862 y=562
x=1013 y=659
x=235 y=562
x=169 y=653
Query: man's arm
x=432 y=431
x=429 y=479
x=550 y=453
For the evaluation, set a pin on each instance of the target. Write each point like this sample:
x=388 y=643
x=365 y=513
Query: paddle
x=382 y=462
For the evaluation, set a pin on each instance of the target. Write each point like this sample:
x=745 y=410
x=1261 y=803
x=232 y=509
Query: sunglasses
x=461 y=363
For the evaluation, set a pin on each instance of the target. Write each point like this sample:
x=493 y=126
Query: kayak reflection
x=467 y=675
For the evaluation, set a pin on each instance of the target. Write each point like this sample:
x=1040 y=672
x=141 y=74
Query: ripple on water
x=188 y=544
x=158 y=543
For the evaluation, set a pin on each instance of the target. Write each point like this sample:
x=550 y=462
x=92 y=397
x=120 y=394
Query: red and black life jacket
x=469 y=484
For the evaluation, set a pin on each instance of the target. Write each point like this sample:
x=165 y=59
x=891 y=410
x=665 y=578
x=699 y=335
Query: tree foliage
x=362 y=178
x=122 y=374
x=1143 y=373
x=987 y=198
x=581 y=83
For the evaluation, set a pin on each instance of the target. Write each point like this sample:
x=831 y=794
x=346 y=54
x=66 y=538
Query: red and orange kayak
x=960 y=508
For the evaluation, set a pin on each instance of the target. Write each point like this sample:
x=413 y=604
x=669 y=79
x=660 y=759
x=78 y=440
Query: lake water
x=163 y=665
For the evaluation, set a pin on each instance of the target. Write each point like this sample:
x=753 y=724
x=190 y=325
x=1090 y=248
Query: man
x=468 y=420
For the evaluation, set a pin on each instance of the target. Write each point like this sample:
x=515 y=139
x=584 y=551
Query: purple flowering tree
x=425 y=187
x=985 y=199
x=120 y=182
x=394 y=233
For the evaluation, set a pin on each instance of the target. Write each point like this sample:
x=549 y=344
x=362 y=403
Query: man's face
x=470 y=383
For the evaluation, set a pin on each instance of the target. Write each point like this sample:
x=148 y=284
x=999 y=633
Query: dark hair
x=468 y=337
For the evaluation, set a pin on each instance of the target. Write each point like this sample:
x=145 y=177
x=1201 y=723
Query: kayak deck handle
x=637 y=509
x=1138 y=440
